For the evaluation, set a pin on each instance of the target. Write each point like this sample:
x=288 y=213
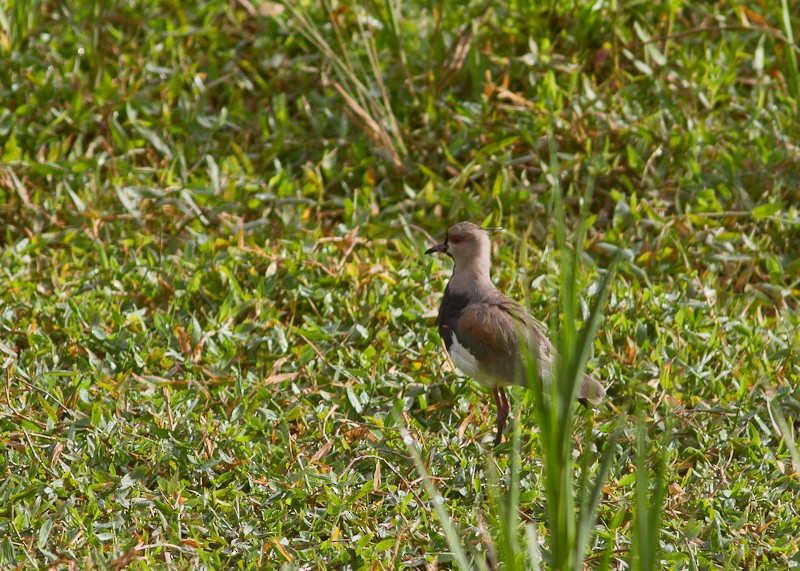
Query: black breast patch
x=449 y=313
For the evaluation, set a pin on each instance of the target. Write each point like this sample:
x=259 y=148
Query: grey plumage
x=484 y=331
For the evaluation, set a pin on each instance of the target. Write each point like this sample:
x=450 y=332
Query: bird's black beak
x=440 y=247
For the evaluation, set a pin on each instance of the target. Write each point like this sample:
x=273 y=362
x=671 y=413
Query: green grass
x=216 y=321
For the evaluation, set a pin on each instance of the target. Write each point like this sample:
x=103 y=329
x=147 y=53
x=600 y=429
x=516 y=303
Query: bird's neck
x=473 y=278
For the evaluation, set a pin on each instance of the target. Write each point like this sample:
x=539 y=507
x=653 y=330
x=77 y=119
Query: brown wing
x=590 y=391
x=491 y=331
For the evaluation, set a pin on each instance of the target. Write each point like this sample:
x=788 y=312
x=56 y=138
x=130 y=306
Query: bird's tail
x=591 y=391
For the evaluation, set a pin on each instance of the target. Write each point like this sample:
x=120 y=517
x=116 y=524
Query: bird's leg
x=506 y=407
x=501 y=401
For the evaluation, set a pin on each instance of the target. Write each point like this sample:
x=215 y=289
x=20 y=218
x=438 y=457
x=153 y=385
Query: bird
x=483 y=330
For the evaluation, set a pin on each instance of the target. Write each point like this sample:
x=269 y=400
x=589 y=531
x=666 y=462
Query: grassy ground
x=215 y=317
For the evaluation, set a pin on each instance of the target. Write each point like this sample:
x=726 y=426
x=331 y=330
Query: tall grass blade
x=504 y=506
x=512 y=522
x=592 y=494
x=648 y=506
x=532 y=540
x=786 y=433
x=554 y=408
x=793 y=75
x=589 y=330
x=451 y=534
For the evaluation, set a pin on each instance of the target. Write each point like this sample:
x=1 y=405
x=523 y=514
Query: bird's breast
x=449 y=313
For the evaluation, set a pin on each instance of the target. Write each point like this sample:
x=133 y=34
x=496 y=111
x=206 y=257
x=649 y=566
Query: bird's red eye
x=456 y=239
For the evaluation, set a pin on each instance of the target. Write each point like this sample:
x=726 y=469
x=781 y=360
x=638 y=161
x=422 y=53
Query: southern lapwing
x=481 y=327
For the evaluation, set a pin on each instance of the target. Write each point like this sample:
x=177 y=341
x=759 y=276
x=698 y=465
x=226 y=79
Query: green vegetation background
x=214 y=311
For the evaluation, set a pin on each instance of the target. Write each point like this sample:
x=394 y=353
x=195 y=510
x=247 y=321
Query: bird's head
x=467 y=244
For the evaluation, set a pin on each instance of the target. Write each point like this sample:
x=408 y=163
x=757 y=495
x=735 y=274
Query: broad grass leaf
x=766 y=210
